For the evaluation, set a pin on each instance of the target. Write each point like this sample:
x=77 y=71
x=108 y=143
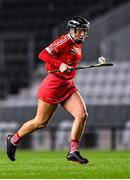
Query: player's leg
x=75 y=105
x=43 y=115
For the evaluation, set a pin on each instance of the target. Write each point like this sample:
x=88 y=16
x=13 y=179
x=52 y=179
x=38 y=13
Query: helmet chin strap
x=78 y=41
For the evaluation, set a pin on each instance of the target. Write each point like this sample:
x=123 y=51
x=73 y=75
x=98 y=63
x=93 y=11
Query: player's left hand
x=65 y=68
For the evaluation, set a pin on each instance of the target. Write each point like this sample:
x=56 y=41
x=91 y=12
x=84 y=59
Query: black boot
x=76 y=157
x=11 y=148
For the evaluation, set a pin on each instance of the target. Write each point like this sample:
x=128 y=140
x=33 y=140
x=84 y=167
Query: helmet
x=78 y=22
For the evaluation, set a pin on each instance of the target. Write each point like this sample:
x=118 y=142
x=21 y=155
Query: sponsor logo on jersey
x=73 y=51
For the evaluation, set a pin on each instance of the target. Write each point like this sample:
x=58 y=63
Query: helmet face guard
x=78 y=22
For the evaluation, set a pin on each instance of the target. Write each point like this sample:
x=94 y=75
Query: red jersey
x=64 y=49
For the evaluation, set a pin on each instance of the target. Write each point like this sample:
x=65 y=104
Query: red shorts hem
x=56 y=103
x=54 y=90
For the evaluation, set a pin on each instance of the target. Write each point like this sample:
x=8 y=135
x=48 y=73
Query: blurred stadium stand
x=26 y=27
x=109 y=85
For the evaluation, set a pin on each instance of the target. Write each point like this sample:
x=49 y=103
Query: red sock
x=74 y=145
x=16 y=139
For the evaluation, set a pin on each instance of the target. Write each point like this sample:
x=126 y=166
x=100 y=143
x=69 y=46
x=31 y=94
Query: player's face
x=79 y=34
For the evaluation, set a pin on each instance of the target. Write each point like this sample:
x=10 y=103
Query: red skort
x=54 y=89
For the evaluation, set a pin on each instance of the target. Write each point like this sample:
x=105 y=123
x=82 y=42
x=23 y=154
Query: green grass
x=53 y=165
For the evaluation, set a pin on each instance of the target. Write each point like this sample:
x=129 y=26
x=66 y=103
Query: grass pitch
x=53 y=165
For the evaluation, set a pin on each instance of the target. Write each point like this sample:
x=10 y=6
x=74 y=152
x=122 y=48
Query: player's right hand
x=65 y=68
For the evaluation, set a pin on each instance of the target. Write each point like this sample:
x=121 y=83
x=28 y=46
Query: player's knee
x=85 y=114
x=82 y=116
